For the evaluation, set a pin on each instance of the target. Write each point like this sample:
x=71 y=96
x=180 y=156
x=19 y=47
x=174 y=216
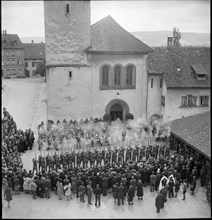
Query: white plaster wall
x=154 y=95
x=69 y=98
x=136 y=98
x=66 y=36
x=30 y=68
x=173 y=103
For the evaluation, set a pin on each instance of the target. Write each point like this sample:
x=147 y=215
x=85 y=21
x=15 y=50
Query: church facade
x=92 y=70
x=102 y=68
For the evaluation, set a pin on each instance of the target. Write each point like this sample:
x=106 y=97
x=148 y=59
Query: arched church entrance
x=116 y=111
x=117 y=108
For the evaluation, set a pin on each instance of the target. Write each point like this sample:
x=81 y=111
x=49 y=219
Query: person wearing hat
x=130 y=195
x=184 y=191
x=159 y=201
x=97 y=193
x=82 y=192
x=89 y=193
x=193 y=185
x=152 y=181
x=121 y=194
x=105 y=185
x=140 y=191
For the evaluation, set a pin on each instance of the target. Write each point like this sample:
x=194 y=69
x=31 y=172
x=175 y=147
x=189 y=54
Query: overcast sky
x=26 y=18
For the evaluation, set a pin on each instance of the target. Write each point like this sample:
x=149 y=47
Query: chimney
x=169 y=41
x=32 y=41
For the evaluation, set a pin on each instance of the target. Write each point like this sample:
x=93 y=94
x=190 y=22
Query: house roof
x=11 y=41
x=34 y=51
x=195 y=130
x=176 y=62
x=109 y=37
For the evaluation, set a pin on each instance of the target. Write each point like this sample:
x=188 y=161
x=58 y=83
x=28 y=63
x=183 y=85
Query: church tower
x=67 y=35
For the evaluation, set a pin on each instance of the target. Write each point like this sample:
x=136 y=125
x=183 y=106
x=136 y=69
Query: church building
x=92 y=70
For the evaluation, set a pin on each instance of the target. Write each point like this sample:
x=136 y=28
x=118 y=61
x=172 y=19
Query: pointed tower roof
x=107 y=36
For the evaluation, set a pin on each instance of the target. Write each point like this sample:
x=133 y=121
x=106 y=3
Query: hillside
x=159 y=38
x=153 y=38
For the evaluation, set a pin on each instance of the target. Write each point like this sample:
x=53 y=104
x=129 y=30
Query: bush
x=129 y=116
x=106 y=117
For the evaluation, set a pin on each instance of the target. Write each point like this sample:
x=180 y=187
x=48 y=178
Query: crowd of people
x=14 y=141
x=123 y=172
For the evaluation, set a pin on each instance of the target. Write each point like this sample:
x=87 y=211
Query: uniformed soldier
x=107 y=159
x=103 y=156
x=147 y=152
x=121 y=155
x=73 y=158
x=92 y=159
x=135 y=153
x=99 y=158
x=57 y=162
x=78 y=159
x=47 y=160
x=64 y=161
x=85 y=162
x=43 y=164
x=114 y=156
x=82 y=159
x=35 y=161
x=51 y=163
x=39 y=162
x=128 y=154
x=69 y=160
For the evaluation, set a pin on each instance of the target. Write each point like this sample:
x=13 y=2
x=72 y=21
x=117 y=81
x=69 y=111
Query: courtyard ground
x=25 y=101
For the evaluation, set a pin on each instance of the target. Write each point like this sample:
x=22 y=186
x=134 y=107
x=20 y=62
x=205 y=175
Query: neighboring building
x=12 y=56
x=192 y=132
x=92 y=70
x=178 y=81
x=34 y=55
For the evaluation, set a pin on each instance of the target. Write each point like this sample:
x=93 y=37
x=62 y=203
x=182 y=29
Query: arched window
x=129 y=76
x=105 y=75
x=117 y=76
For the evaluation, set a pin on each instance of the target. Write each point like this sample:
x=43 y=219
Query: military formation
x=98 y=157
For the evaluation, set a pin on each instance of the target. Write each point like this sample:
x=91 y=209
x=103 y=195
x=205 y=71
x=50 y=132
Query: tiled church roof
x=34 y=51
x=108 y=36
x=195 y=130
x=176 y=62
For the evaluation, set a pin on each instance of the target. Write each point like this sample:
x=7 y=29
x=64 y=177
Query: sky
x=26 y=18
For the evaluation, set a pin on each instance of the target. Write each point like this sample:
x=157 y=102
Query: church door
x=116 y=111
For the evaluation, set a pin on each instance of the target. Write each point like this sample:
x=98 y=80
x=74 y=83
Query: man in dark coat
x=82 y=192
x=97 y=193
x=171 y=188
x=140 y=191
x=121 y=194
x=152 y=182
x=104 y=185
x=159 y=201
x=131 y=194
x=115 y=192
x=193 y=185
x=89 y=193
